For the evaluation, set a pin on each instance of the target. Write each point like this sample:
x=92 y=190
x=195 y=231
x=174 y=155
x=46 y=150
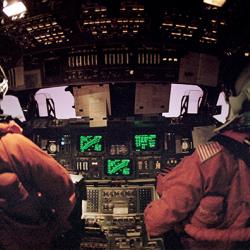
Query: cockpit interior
x=118 y=91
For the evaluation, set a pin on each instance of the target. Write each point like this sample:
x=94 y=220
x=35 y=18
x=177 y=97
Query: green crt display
x=145 y=142
x=91 y=143
x=118 y=167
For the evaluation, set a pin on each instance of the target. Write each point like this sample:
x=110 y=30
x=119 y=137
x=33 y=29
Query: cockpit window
x=178 y=91
x=224 y=108
x=11 y=106
x=63 y=101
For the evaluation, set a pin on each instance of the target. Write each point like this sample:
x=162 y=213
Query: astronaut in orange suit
x=36 y=192
x=206 y=196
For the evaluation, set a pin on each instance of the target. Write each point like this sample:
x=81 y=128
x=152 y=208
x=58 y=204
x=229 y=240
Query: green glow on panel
x=91 y=143
x=118 y=167
x=144 y=142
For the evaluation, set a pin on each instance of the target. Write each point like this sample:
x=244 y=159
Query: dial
x=52 y=147
x=118 y=149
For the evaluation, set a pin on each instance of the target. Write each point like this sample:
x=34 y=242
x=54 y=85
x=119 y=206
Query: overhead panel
x=198 y=68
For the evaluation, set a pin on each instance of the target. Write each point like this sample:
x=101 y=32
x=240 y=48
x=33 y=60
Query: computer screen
x=118 y=168
x=145 y=142
x=91 y=143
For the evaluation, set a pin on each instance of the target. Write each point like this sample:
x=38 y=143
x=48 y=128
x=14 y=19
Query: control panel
x=119 y=164
x=128 y=200
x=119 y=213
x=124 y=151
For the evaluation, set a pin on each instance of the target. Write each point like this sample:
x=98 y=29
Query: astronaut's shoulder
x=208 y=150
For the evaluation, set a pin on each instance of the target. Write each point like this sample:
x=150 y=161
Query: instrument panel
x=119 y=164
x=127 y=151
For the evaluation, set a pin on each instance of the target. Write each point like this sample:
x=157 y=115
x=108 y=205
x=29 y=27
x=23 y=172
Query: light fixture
x=217 y=3
x=13 y=7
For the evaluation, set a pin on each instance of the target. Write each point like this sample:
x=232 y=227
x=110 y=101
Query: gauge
x=52 y=147
x=185 y=145
x=118 y=149
x=122 y=149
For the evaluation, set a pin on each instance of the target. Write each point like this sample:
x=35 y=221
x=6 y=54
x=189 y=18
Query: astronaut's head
x=239 y=105
x=3 y=83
